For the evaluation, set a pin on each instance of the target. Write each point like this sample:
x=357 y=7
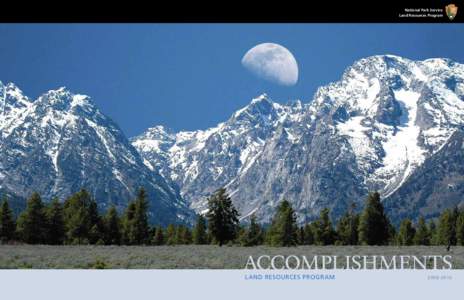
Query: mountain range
x=61 y=143
x=389 y=124
x=384 y=126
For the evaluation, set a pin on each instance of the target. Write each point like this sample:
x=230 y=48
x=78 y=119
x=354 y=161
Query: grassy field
x=186 y=256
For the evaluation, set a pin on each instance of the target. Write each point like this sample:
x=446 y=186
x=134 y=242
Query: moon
x=272 y=62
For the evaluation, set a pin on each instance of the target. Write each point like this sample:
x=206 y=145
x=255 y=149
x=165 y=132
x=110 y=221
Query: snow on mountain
x=371 y=130
x=61 y=143
x=202 y=161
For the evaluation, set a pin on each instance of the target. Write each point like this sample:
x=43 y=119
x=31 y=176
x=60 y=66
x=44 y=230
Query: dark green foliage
x=32 y=223
x=347 y=228
x=422 y=236
x=301 y=235
x=7 y=222
x=55 y=223
x=183 y=235
x=433 y=233
x=78 y=222
x=391 y=234
x=253 y=235
x=308 y=235
x=96 y=232
x=136 y=230
x=171 y=235
x=199 y=231
x=373 y=223
x=158 y=238
x=406 y=233
x=460 y=228
x=283 y=230
x=141 y=227
x=128 y=235
x=324 y=234
x=222 y=217
x=82 y=221
x=447 y=228
x=112 y=227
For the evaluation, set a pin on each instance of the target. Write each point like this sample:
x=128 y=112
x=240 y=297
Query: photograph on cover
x=232 y=146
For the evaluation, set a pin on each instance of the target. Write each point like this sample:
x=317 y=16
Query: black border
x=314 y=11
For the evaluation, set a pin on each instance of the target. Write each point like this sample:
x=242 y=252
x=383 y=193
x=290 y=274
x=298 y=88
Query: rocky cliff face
x=61 y=143
x=372 y=130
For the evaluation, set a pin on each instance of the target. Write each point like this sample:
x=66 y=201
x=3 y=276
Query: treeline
x=78 y=221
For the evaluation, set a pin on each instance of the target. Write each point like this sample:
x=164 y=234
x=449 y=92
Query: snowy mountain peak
x=61 y=143
x=65 y=100
x=370 y=130
x=262 y=97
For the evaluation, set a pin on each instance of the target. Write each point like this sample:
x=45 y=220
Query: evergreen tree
x=422 y=236
x=199 y=231
x=187 y=236
x=158 y=238
x=171 y=235
x=301 y=235
x=96 y=232
x=128 y=224
x=308 y=238
x=7 y=222
x=347 y=228
x=222 y=217
x=391 y=234
x=324 y=234
x=253 y=235
x=141 y=228
x=55 y=223
x=406 y=233
x=112 y=227
x=432 y=228
x=32 y=223
x=373 y=222
x=460 y=228
x=447 y=228
x=283 y=230
x=78 y=220
x=183 y=235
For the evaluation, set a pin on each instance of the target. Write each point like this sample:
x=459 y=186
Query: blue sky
x=189 y=76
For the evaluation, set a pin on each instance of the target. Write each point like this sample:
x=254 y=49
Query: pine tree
x=199 y=231
x=301 y=235
x=183 y=235
x=308 y=238
x=373 y=222
x=460 y=228
x=283 y=230
x=432 y=228
x=222 y=217
x=112 y=227
x=253 y=235
x=171 y=235
x=78 y=219
x=158 y=238
x=141 y=227
x=422 y=236
x=391 y=234
x=96 y=226
x=7 y=222
x=447 y=228
x=32 y=223
x=324 y=234
x=55 y=223
x=128 y=226
x=406 y=233
x=347 y=228
x=187 y=236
